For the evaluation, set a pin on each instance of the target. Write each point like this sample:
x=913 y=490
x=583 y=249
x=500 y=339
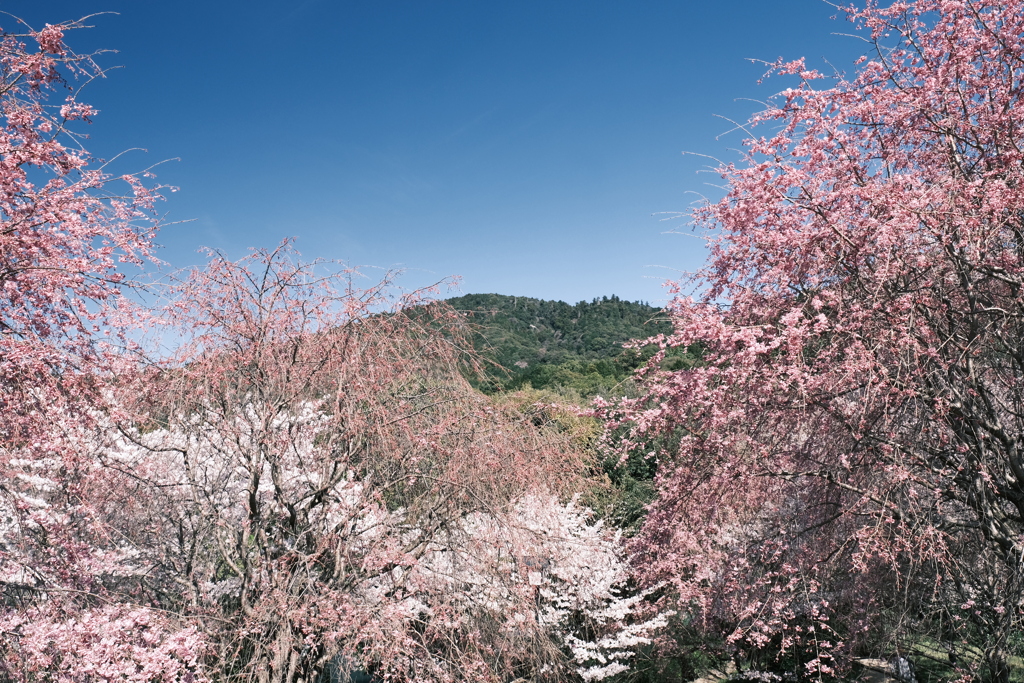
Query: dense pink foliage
x=117 y=643
x=843 y=471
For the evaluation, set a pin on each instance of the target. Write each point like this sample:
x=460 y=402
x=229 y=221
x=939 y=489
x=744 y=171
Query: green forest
x=526 y=342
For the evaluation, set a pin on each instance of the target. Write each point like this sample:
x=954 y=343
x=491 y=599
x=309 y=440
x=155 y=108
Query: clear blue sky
x=521 y=144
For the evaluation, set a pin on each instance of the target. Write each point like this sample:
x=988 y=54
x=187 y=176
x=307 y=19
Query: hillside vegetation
x=552 y=344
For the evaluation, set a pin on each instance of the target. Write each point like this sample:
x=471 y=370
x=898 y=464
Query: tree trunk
x=997 y=661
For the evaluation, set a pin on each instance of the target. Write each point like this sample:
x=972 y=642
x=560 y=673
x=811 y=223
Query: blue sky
x=529 y=147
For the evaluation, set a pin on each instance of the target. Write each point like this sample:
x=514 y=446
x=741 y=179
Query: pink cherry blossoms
x=325 y=486
x=309 y=481
x=843 y=468
x=63 y=236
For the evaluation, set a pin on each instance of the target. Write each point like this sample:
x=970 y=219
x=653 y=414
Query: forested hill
x=552 y=343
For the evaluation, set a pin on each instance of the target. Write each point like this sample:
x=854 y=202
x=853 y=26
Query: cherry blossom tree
x=63 y=232
x=841 y=473
x=312 y=481
x=65 y=235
